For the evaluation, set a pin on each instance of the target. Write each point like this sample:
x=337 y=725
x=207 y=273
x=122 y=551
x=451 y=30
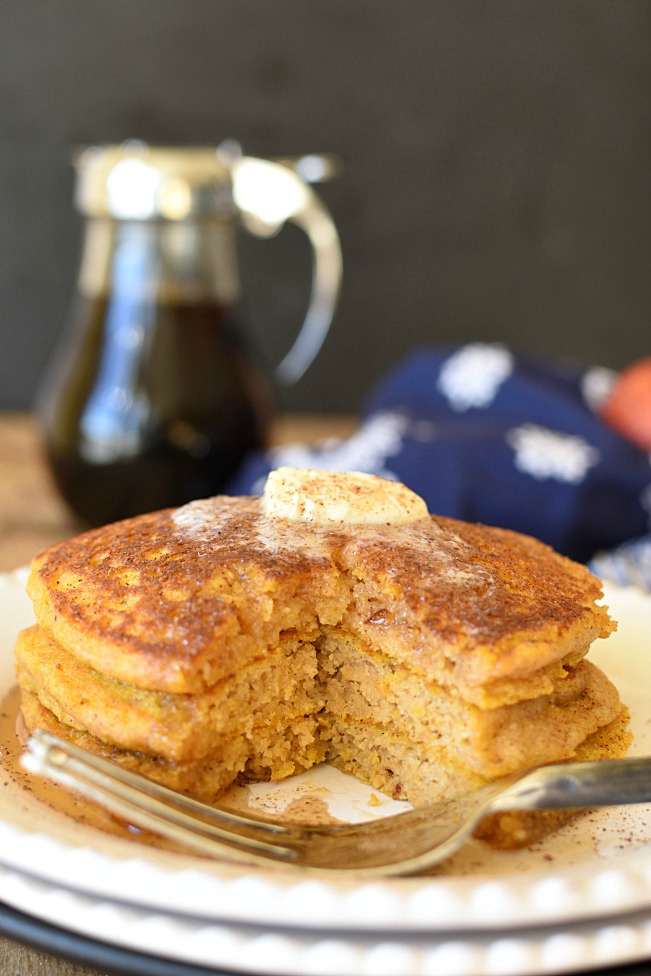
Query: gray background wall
x=497 y=164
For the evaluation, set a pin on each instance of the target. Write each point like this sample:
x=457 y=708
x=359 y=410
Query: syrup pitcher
x=155 y=396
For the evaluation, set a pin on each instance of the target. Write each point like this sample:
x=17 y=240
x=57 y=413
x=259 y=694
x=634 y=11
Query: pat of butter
x=339 y=497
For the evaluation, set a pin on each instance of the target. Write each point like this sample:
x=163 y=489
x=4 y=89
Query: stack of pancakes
x=223 y=641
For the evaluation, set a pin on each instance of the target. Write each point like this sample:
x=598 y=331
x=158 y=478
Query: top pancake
x=178 y=600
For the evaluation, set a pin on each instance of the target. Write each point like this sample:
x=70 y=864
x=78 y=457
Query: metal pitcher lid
x=136 y=181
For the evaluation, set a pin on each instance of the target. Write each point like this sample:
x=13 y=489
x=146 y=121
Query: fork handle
x=582 y=784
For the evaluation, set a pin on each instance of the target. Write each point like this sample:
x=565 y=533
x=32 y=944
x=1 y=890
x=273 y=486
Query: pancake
x=246 y=638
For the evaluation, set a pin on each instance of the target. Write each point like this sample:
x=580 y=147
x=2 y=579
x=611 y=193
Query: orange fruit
x=627 y=409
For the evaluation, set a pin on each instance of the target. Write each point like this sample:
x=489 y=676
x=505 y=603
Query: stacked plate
x=581 y=900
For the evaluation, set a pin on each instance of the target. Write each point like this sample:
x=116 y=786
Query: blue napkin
x=486 y=434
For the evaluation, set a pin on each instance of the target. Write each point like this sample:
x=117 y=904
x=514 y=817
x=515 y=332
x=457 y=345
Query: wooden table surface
x=32 y=516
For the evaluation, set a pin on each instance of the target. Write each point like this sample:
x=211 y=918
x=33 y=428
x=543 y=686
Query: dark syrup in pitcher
x=152 y=406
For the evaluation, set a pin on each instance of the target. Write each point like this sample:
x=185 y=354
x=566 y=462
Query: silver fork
x=402 y=844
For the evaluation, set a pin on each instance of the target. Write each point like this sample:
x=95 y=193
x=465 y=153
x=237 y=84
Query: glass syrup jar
x=155 y=396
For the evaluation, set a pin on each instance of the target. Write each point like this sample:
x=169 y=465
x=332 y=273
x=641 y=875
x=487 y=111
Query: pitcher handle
x=269 y=195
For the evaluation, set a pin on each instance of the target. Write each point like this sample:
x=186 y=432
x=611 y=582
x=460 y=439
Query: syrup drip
x=59 y=798
x=81 y=810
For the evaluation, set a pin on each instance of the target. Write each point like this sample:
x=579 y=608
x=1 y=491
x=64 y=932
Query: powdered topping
x=428 y=560
x=338 y=498
x=240 y=529
x=205 y=520
x=237 y=527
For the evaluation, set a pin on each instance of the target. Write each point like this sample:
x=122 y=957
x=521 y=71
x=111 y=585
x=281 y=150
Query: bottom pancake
x=209 y=778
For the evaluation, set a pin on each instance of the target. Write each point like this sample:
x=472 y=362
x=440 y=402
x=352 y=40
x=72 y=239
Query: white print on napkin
x=474 y=374
x=596 y=385
x=544 y=453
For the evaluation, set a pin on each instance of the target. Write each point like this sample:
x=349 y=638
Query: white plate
x=291 y=952
x=598 y=868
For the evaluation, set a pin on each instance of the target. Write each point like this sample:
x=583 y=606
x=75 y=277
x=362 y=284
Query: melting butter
x=339 y=498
